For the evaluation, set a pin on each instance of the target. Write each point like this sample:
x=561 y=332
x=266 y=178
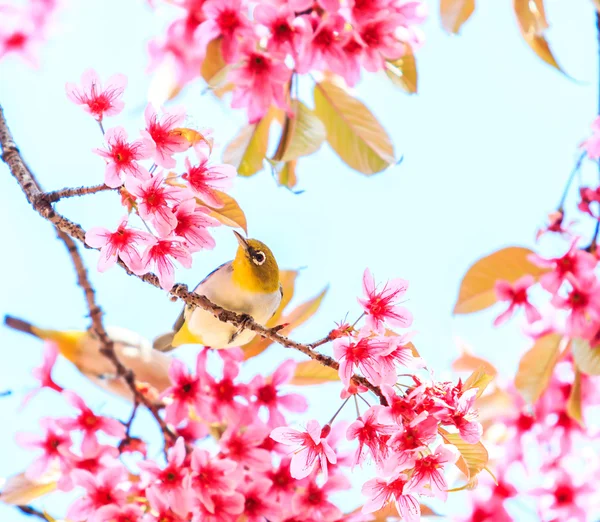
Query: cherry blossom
x=96 y=100
x=516 y=295
x=162 y=133
x=43 y=372
x=204 y=179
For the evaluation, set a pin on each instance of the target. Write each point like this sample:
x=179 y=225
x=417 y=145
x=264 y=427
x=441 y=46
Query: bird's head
x=254 y=267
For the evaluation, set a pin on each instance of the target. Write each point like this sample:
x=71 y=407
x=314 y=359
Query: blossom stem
x=356 y=405
x=338 y=411
x=57 y=195
x=570 y=181
x=356 y=322
x=364 y=400
x=32 y=512
x=153 y=168
x=101 y=127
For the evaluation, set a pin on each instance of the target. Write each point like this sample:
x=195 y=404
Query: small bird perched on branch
x=247 y=285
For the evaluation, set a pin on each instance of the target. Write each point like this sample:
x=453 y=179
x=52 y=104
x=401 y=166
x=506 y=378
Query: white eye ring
x=258 y=258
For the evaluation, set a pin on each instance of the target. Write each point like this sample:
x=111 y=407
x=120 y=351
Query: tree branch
x=40 y=202
x=32 y=512
x=57 y=195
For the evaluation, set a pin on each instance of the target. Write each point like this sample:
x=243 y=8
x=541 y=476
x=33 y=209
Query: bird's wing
x=281 y=299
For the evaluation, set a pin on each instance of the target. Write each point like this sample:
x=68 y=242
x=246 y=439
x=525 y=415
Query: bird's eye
x=258 y=258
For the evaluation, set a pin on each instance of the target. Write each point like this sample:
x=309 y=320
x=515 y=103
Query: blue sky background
x=488 y=144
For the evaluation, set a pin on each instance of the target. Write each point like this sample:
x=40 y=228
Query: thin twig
x=12 y=157
x=108 y=349
x=32 y=512
x=56 y=195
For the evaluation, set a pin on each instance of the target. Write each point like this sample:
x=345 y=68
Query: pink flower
x=567 y=498
x=97 y=101
x=381 y=306
x=128 y=513
x=161 y=132
x=89 y=423
x=285 y=34
x=192 y=223
x=313 y=502
x=362 y=353
x=94 y=458
x=310 y=448
x=380 y=492
x=243 y=446
x=204 y=179
x=402 y=355
x=371 y=434
x=516 y=295
x=408 y=441
x=583 y=300
x=54 y=443
x=19 y=33
x=118 y=244
x=161 y=512
x=284 y=485
x=224 y=392
x=465 y=418
x=171 y=482
x=427 y=478
x=260 y=81
x=575 y=262
x=257 y=504
x=380 y=41
x=154 y=199
x=185 y=393
x=226 y=508
x=267 y=394
x=122 y=156
x=323 y=49
x=592 y=144
x=43 y=372
x=102 y=493
x=226 y=19
x=211 y=476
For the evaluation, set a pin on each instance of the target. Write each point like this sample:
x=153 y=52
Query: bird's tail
x=163 y=343
x=22 y=326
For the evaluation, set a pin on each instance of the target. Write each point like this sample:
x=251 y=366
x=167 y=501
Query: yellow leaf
x=302 y=135
x=403 y=71
x=192 y=136
x=230 y=213
x=536 y=367
x=478 y=379
x=352 y=131
x=467 y=362
x=574 y=402
x=287 y=174
x=477 y=287
x=248 y=149
x=455 y=13
x=532 y=22
x=313 y=372
x=287 y=278
x=473 y=457
x=295 y=318
x=587 y=359
x=19 y=490
x=214 y=69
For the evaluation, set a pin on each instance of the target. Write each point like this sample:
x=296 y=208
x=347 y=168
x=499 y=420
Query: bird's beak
x=243 y=243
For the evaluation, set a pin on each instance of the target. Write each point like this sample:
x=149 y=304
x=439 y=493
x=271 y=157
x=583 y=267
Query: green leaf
x=352 y=131
x=536 y=367
x=587 y=359
x=248 y=149
x=302 y=134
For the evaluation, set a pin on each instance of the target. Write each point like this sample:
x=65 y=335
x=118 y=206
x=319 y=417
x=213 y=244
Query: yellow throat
x=254 y=267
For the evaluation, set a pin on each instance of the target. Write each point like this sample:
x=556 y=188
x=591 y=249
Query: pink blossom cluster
x=545 y=456
x=264 y=43
x=23 y=27
x=258 y=466
x=171 y=205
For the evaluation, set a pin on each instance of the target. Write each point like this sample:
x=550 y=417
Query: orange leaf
x=214 y=69
x=587 y=359
x=473 y=457
x=478 y=379
x=468 y=362
x=536 y=367
x=19 y=490
x=574 y=402
x=477 y=287
x=313 y=372
x=230 y=213
x=287 y=174
x=403 y=71
x=455 y=13
x=192 y=136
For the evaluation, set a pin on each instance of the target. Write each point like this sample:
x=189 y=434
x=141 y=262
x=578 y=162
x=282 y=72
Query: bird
x=247 y=285
x=151 y=368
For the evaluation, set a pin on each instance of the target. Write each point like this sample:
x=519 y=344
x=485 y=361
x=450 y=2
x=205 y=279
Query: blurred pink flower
x=98 y=101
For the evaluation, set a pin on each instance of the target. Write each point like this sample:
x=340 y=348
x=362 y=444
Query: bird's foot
x=245 y=321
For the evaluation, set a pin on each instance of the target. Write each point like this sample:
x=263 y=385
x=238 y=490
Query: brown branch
x=32 y=512
x=35 y=196
x=56 y=195
x=108 y=349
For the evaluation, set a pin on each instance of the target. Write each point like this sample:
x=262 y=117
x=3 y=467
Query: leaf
x=473 y=457
x=295 y=318
x=352 y=131
x=193 y=137
x=302 y=135
x=454 y=13
x=403 y=71
x=574 y=401
x=494 y=405
x=532 y=22
x=390 y=511
x=214 y=69
x=467 y=362
x=478 y=379
x=477 y=287
x=19 y=490
x=287 y=174
x=248 y=149
x=230 y=214
x=536 y=367
x=587 y=359
x=313 y=372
